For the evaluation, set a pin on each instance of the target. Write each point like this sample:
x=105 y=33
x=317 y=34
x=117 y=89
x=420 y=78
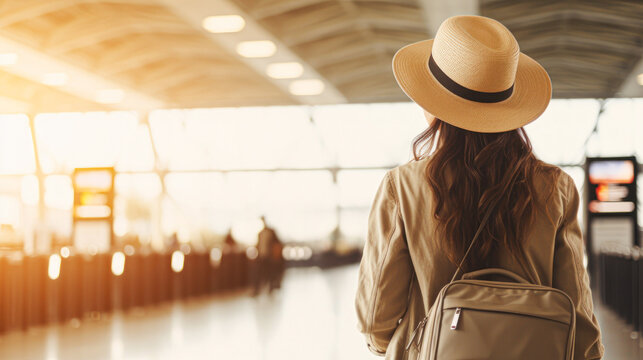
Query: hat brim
x=530 y=97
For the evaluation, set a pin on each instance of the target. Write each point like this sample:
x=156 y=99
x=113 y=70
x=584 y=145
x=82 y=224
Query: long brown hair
x=466 y=171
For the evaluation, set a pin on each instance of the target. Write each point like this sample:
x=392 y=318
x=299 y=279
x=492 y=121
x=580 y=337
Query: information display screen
x=612 y=185
x=93 y=209
x=93 y=193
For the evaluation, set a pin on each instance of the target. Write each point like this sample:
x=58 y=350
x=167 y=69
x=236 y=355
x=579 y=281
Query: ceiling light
x=110 y=96
x=285 y=70
x=7 y=59
x=223 y=23
x=55 y=79
x=306 y=87
x=639 y=79
x=256 y=49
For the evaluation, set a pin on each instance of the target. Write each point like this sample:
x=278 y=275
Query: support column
x=157 y=240
x=42 y=239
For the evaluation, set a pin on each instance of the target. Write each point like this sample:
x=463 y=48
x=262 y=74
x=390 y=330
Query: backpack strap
x=495 y=202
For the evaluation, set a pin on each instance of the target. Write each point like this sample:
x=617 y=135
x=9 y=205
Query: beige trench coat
x=401 y=271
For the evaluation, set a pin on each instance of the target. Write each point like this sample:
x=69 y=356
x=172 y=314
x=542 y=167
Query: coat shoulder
x=413 y=169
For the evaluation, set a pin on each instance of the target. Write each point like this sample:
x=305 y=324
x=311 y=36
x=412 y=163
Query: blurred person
x=229 y=242
x=172 y=241
x=477 y=92
x=278 y=264
x=269 y=262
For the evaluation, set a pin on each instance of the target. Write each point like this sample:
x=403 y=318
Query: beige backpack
x=479 y=319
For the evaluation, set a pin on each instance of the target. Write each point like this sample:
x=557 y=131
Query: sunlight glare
x=118 y=263
x=54 y=266
x=177 y=261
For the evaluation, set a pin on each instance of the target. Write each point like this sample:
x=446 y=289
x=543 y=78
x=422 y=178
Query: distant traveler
x=269 y=260
x=477 y=91
x=229 y=241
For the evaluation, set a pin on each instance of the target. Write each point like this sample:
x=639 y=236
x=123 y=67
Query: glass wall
x=312 y=171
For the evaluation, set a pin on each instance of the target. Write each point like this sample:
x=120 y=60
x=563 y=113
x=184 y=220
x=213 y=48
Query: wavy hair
x=466 y=170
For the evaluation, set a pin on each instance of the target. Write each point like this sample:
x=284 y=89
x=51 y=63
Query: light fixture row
x=214 y=24
x=60 y=79
x=221 y=24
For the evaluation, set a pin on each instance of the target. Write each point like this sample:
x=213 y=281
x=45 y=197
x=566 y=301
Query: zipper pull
x=420 y=325
x=456 y=318
x=419 y=338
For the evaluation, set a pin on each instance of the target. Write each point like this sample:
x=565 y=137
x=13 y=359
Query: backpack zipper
x=420 y=328
x=456 y=318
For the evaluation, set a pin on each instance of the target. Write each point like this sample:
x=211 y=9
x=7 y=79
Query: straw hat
x=473 y=76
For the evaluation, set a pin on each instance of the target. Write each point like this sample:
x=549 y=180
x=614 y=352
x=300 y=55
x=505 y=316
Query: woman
x=477 y=91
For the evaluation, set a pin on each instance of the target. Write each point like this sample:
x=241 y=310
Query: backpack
x=484 y=319
x=478 y=319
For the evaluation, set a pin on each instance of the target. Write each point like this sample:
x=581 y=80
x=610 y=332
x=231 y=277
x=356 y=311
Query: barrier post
x=89 y=288
x=35 y=282
x=639 y=303
x=164 y=270
x=71 y=289
x=634 y=264
x=104 y=294
x=3 y=294
x=149 y=285
x=14 y=293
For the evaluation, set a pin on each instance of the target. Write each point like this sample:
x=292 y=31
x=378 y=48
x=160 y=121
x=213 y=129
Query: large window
x=312 y=171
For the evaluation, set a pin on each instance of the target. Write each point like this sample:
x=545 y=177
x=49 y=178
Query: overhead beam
x=175 y=73
x=354 y=18
x=201 y=95
x=88 y=30
x=359 y=73
x=19 y=94
x=376 y=85
x=527 y=13
x=322 y=59
x=591 y=43
x=34 y=64
x=12 y=12
x=138 y=52
x=277 y=7
x=295 y=35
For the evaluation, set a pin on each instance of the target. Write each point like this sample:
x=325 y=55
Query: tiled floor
x=311 y=318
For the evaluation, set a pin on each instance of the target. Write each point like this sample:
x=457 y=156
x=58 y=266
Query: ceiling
x=349 y=42
x=588 y=47
x=158 y=55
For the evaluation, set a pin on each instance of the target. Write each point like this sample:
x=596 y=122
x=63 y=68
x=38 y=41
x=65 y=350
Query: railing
x=48 y=289
x=45 y=289
x=620 y=273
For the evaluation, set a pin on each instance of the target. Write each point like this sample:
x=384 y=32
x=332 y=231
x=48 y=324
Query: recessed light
x=8 y=59
x=223 y=23
x=256 y=49
x=110 y=96
x=639 y=79
x=306 y=87
x=55 y=79
x=285 y=70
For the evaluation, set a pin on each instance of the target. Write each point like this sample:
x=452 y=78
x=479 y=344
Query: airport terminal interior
x=192 y=179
